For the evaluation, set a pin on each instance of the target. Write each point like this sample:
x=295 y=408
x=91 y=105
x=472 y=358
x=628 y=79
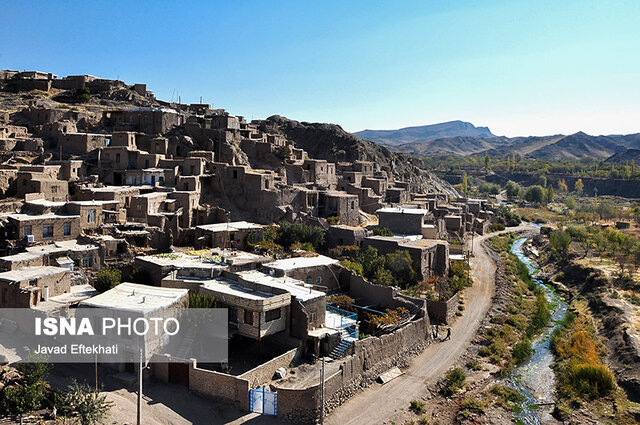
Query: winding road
x=379 y=403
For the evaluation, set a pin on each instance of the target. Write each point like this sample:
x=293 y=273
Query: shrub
x=344 y=302
x=417 y=407
x=107 y=279
x=454 y=381
x=85 y=402
x=470 y=406
x=593 y=380
x=484 y=352
x=382 y=231
x=496 y=227
x=474 y=365
x=353 y=266
x=508 y=397
x=522 y=351
x=201 y=301
x=333 y=220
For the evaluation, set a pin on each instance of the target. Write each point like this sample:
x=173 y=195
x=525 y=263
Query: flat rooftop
x=63 y=246
x=31 y=217
x=233 y=226
x=301 y=263
x=22 y=256
x=296 y=288
x=399 y=210
x=29 y=273
x=77 y=294
x=180 y=260
x=229 y=287
x=135 y=297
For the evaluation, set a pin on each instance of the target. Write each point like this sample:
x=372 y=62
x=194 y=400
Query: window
x=67 y=228
x=47 y=231
x=313 y=315
x=248 y=317
x=319 y=280
x=146 y=163
x=309 y=280
x=272 y=315
x=235 y=174
x=193 y=169
x=54 y=189
x=139 y=207
x=91 y=216
x=28 y=230
x=117 y=157
x=87 y=261
x=353 y=205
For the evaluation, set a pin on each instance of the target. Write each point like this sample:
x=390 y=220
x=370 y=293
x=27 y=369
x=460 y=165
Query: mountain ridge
x=424 y=133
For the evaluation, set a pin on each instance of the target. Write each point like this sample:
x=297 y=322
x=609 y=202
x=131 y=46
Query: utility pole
x=138 y=420
x=322 y=393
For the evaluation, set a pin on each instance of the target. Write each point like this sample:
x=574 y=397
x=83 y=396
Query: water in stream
x=534 y=379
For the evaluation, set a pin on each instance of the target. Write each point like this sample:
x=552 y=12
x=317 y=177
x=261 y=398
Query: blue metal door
x=264 y=401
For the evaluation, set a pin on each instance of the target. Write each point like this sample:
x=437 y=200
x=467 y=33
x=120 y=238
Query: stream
x=534 y=379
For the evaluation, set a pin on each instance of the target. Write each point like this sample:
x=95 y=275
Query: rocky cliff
x=331 y=142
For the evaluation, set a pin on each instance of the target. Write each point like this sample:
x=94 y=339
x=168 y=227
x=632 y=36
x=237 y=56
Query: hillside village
x=97 y=174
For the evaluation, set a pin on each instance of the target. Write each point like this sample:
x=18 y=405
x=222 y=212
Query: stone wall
x=366 y=360
x=262 y=374
x=219 y=386
x=443 y=312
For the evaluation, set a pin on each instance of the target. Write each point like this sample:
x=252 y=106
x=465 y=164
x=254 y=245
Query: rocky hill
x=425 y=133
x=333 y=143
x=626 y=156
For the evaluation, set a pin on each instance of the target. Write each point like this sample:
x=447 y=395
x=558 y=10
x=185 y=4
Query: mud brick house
x=260 y=304
x=80 y=253
x=145 y=120
x=318 y=271
x=45 y=227
x=430 y=257
x=340 y=234
x=340 y=204
x=27 y=287
x=82 y=143
x=233 y=234
x=120 y=194
x=407 y=221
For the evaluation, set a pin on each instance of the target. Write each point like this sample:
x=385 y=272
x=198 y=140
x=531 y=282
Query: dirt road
x=380 y=403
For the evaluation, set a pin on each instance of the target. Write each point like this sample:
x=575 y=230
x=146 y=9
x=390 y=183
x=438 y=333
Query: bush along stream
x=534 y=378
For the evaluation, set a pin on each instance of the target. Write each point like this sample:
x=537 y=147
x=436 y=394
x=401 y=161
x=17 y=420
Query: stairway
x=348 y=337
x=185 y=347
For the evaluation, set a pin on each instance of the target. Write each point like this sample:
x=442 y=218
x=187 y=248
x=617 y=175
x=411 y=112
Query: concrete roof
x=135 y=297
x=179 y=260
x=61 y=246
x=22 y=256
x=296 y=288
x=301 y=263
x=30 y=273
x=400 y=210
x=229 y=287
x=232 y=226
x=31 y=217
x=78 y=293
x=45 y=203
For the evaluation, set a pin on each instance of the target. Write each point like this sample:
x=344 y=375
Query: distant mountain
x=424 y=133
x=626 y=156
x=556 y=147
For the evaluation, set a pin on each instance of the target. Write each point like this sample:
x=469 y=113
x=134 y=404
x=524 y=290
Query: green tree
x=535 y=194
x=487 y=162
x=578 y=186
x=107 y=279
x=549 y=195
x=290 y=233
x=559 y=243
x=542 y=180
x=382 y=231
x=400 y=264
x=513 y=190
x=384 y=277
x=86 y=403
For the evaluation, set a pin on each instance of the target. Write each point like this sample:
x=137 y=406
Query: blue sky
x=519 y=67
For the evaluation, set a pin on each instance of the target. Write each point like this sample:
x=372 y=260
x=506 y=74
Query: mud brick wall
x=443 y=312
x=263 y=373
x=219 y=386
